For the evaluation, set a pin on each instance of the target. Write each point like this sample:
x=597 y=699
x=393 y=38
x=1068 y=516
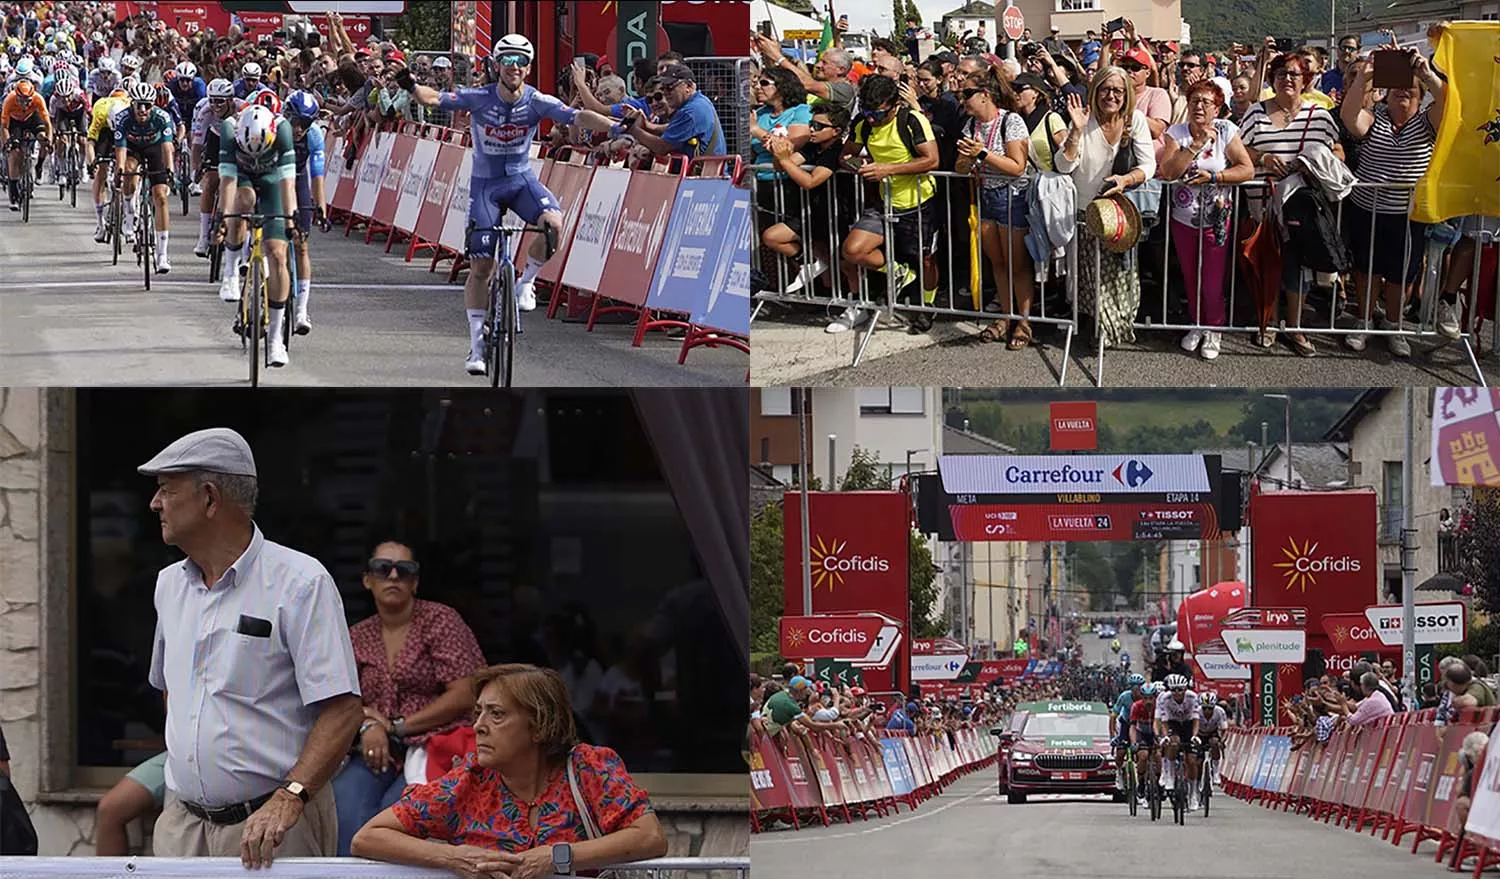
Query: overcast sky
x=865 y=14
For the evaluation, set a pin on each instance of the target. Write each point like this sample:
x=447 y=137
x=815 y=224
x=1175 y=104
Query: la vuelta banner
x=1315 y=549
x=1465 y=436
x=859 y=561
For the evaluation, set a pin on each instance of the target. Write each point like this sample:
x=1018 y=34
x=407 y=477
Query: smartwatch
x=562 y=859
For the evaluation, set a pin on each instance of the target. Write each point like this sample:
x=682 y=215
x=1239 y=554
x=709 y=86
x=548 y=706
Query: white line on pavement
x=915 y=816
x=320 y=285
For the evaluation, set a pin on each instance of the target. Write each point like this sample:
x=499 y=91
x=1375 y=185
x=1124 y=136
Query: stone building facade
x=37 y=434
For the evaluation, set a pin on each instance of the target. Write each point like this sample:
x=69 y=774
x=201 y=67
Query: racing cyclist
x=69 y=109
x=250 y=80
x=188 y=89
x=143 y=138
x=503 y=121
x=257 y=173
x=1175 y=663
x=25 y=69
x=1142 y=728
x=1177 y=718
x=104 y=78
x=23 y=110
x=99 y=145
x=312 y=206
x=1119 y=723
x=1211 y=727
x=1115 y=645
x=220 y=104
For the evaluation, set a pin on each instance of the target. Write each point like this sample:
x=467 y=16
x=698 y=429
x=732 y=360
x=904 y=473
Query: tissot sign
x=1437 y=623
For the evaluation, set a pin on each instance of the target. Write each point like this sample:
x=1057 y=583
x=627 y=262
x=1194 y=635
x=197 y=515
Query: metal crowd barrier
x=950 y=290
x=953 y=299
x=13 y=867
x=726 y=82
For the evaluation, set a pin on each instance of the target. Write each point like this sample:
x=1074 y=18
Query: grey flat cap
x=216 y=450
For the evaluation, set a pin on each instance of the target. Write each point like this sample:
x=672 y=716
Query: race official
x=253 y=653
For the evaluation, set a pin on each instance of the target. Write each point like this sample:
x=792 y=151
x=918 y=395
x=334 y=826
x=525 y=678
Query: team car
x=1059 y=746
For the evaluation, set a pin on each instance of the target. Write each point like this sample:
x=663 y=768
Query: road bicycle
x=114 y=211
x=1151 y=785
x=1131 y=781
x=184 y=177
x=68 y=163
x=254 y=317
x=28 y=173
x=1209 y=768
x=145 y=224
x=1179 y=786
x=502 y=321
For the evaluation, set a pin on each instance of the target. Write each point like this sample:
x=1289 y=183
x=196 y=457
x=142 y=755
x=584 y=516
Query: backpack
x=17 y=835
x=907 y=126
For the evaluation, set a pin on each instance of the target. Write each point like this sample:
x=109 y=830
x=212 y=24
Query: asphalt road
x=969 y=831
x=67 y=317
x=792 y=349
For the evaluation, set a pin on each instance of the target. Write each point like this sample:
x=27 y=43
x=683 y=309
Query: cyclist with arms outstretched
x=503 y=121
x=1177 y=716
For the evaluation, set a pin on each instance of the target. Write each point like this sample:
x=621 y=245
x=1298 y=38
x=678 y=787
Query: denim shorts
x=1000 y=205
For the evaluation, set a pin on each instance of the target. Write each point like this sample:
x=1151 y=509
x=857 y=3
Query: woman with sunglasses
x=782 y=112
x=415 y=660
x=994 y=144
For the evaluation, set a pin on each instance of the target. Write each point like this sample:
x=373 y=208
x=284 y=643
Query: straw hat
x=1115 y=221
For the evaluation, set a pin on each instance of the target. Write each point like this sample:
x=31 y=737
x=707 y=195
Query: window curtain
x=702 y=442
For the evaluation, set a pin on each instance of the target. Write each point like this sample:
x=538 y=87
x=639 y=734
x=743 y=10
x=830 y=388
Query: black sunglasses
x=658 y=96
x=969 y=93
x=1132 y=68
x=383 y=568
x=815 y=125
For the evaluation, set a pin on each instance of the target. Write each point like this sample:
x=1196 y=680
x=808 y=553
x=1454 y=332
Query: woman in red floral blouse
x=511 y=808
x=415 y=660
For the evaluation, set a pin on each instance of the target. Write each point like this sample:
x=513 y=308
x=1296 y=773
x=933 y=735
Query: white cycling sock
x=533 y=268
x=99 y=212
x=278 y=317
x=233 y=256
x=205 y=226
x=304 y=288
x=476 y=330
x=161 y=242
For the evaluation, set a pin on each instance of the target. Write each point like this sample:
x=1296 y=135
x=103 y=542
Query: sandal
x=1022 y=336
x=1266 y=338
x=995 y=331
x=1301 y=344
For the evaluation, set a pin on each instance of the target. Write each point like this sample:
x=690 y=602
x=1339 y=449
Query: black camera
x=1030 y=50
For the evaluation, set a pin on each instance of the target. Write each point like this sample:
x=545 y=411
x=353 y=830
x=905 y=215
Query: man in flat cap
x=694 y=129
x=252 y=652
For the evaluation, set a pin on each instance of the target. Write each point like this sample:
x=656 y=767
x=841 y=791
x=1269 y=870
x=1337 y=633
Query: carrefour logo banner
x=1087 y=474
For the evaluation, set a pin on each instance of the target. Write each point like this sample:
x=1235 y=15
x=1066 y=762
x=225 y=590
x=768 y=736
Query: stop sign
x=1013 y=22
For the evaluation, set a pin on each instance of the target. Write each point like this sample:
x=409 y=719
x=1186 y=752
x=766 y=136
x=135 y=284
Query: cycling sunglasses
x=383 y=568
x=143 y=105
x=513 y=60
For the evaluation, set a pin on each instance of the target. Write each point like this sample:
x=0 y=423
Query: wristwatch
x=297 y=789
x=398 y=726
x=562 y=859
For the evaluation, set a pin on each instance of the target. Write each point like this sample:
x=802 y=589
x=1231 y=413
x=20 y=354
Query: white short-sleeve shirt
x=244 y=664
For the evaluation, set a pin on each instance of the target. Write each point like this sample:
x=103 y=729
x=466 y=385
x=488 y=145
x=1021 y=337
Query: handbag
x=590 y=826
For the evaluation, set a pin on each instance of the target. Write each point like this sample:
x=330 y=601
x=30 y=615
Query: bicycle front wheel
x=502 y=324
x=253 y=295
x=145 y=238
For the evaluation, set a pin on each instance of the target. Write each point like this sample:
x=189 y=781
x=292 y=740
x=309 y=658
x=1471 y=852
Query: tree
x=1091 y=570
x=898 y=19
x=1478 y=540
x=767 y=592
x=427 y=26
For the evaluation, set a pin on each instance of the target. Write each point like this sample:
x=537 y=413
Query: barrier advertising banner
x=728 y=305
x=1317 y=550
x=456 y=220
x=633 y=254
x=569 y=183
x=1465 y=436
x=599 y=218
x=859 y=560
x=694 y=245
x=418 y=178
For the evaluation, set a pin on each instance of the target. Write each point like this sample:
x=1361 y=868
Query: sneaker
x=851 y=318
x=809 y=273
x=1447 y=320
x=1192 y=340
x=229 y=289
x=1356 y=341
x=99 y=234
x=1399 y=346
x=200 y=249
x=474 y=365
x=163 y=264
x=130 y=234
x=900 y=277
x=195 y=190
x=527 y=297
x=279 y=356
x=303 y=324
x=15 y=205
x=1211 y=345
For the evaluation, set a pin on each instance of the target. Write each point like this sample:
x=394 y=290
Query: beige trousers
x=181 y=834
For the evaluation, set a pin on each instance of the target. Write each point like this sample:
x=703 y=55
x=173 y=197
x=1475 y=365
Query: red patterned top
x=472 y=806
x=440 y=648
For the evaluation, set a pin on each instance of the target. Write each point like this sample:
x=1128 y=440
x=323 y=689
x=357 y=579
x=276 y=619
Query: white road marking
x=914 y=816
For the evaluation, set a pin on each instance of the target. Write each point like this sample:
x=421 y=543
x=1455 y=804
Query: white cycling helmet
x=25 y=66
x=187 y=70
x=251 y=70
x=108 y=65
x=1176 y=647
x=130 y=62
x=143 y=92
x=515 y=44
x=255 y=131
x=1210 y=700
x=1176 y=682
x=221 y=88
x=4 y=63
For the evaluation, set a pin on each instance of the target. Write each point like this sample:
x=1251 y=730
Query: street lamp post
x=1287 y=401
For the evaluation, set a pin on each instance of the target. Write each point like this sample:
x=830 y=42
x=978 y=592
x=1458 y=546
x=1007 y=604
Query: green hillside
x=1217 y=23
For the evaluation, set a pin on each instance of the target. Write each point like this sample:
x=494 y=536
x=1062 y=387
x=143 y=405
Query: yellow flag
x=1464 y=177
